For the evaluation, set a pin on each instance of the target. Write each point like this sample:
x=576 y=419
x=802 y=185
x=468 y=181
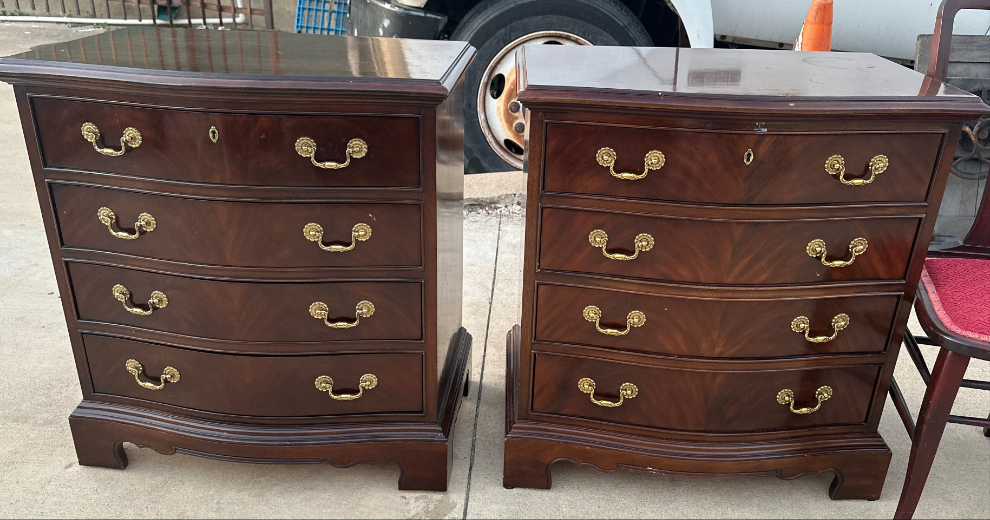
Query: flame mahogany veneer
x=693 y=343
x=218 y=170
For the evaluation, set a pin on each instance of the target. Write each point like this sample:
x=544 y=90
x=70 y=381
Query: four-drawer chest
x=722 y=250
x=257 y=239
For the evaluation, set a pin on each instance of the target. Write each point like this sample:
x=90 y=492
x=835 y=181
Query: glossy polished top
x=724 y=72
x=259 y=54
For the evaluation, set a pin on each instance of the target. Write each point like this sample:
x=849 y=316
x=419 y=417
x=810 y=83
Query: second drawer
x=243 y=311
x=737 y=252
x=276 y=386
x=243 y=234
x=699 y=327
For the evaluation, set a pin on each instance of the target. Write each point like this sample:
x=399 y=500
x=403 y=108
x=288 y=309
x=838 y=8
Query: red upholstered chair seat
x=959 y=289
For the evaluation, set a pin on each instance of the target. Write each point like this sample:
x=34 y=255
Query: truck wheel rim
x=504 y=129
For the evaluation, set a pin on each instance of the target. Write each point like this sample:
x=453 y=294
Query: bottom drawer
x=265 y=386
x=699 y=400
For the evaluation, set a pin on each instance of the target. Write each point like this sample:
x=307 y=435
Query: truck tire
x=493 y=122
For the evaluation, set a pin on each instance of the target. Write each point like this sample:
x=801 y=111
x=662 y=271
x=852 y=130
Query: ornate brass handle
x=836 y=165
x=145 y=222
x=314 y=232
x=633 y=319
x=786 y=396
x=130 y=138
x=803 y=324
x=157 y=300
x=364 y=309
x=626 y=391
x=170 y=375
x=599 y=238
x=356 y=148
x=816 y=248
x=653 y=161
x=367 y=382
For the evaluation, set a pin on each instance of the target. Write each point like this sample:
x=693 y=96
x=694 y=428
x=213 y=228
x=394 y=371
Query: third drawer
x=249 y=311
x=750 y=327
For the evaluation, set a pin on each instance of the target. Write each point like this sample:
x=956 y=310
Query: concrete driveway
x=39 y=475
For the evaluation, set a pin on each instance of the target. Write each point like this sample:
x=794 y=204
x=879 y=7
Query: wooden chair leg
x=901 y=405
x=935 y=409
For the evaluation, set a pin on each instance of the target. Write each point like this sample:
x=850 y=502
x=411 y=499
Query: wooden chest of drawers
x=722 y=249
x=257 y=238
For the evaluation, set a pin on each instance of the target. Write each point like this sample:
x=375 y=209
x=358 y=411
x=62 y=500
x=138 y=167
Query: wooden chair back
x=977 y=242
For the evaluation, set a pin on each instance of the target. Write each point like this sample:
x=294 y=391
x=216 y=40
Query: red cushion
x=959 y=289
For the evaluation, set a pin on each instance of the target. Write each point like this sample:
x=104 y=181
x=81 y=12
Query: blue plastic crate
x=321 y=16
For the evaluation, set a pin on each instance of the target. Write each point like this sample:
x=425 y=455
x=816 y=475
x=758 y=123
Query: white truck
x=494 y=124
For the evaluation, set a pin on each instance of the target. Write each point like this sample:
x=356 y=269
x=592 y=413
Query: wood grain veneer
x=257 y=149
x=784 y=169
x=742 y=191
x=713 y=327
x=734 y=252
x=269 y=386
x=226 y=233
x=228 y=249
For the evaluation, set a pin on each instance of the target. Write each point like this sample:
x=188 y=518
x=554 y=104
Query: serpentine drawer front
x=266 y=386
x=759 y=168
x=249 y=311
x=228 y=233
x=722 y=251
x=256 y=150
x=700 y=400
x=735 y=252
x=746 y=327
x=259 y=256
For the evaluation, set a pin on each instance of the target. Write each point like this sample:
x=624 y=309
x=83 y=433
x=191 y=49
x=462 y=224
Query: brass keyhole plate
x=214 y=134
x=748 y=157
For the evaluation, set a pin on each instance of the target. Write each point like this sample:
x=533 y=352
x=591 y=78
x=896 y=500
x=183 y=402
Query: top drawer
x=253 y=150
x=781 y=169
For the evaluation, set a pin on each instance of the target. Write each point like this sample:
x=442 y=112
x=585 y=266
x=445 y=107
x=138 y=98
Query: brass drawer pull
x=653 y=161
x=599 y=238
x=367 y=382
x=364 y=309
x=359 y=233
x=145 y=222
x=786 y=396
x=157 y=300
x=356 y=148
x=633 y=319
x=836 y=165
x=626 y=391
x=816 y=248
x=131 y=138
x=170 y=375
x=803 y=324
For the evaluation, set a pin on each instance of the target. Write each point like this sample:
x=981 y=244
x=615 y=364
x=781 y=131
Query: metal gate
x=227 y=14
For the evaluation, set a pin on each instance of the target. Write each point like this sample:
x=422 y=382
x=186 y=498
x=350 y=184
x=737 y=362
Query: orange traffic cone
x=816 y=33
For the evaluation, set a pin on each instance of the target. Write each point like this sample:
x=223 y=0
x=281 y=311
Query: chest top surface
x=189 y=57
x=662 y=76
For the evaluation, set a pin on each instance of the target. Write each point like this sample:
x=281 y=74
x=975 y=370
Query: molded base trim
x=859 y=460
x=421 y=450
